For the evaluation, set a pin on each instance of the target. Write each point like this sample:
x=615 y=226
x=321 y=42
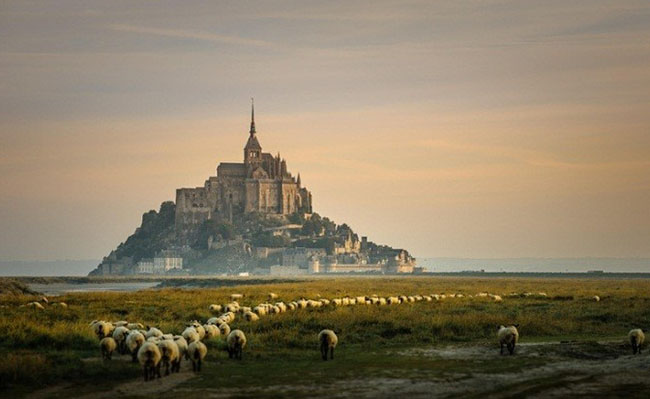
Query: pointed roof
x=252 y=143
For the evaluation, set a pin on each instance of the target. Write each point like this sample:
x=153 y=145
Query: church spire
x=252 y=131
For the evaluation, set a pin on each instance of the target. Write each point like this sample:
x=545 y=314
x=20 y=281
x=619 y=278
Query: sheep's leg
x=511 y=348
x=158 y=370
x=502 y=348
x=146 y=373
x=199 y=365
x=134 y=356
x=323 y=352
x=167 y=368
x=332 y=353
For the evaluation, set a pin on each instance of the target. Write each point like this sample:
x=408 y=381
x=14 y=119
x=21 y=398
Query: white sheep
x=215 y=308
x=212 y=331
x=170 y=356
x=135 y=326
x=197 y=351
x=327 y=340
x=236 y=342
x=119 y=335
x=182 y=346
x=250 y=316
x=595 y=298
x=508 y=336
x=134 y=341
x=149 y=357
x=34 y=305
x=102 y=328
x=153 y=332
x=637 y=337
x=60 y=304
x=199 y=328
x=224 y=328
x=191 y=335
x=272 y=296
x=234 y=297
x=121 y=323
x=107 y=345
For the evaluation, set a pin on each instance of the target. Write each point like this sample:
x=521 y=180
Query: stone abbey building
x=261 y=184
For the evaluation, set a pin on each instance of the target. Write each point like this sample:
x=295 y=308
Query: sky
x=480 y=129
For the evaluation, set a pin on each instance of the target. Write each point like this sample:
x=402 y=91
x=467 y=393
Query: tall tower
x=253 y=149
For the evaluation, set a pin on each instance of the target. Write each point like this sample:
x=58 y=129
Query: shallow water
x=62 y=288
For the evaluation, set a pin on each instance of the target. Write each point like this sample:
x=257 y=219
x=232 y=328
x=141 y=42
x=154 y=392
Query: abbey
x=261 y=184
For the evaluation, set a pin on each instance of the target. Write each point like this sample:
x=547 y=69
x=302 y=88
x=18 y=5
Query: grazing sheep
x=119 y=335
x=102 y=328
x=168 y=337
x=199 y=328
x=60 y=304
x=224 y=329
x=637 y=337
x=197 y=351
x=44 y=300
x=212 y=331
x=508 y=336
x=272 y=296
x=259 y=310
x=337 y=302
x=134 y=341
x=135 y=326
x=215 y=308
x=595 y=298
x=107 y=346
x=153 y=332
x=121 y=323
x=182 y=346
x=229 y=317
x=170 y=356
x=328 y=341
x=292 y=306
x=497 y=298
x=234 y=297
x=149 y=357
x=250 y=316
x=236 y=342
x=191 y=335
x=34 y=305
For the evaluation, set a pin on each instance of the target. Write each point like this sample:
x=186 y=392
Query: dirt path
x=569 y=369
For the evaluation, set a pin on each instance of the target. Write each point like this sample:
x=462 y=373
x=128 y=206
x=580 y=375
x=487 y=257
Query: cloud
x=187 y=34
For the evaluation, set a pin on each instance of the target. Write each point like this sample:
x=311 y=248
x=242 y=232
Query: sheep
x=272 y=296
x=236 y=342
x=199 y=328
x=234 y=297
x=224 y=328
x=302 y=304
x=135 y=326
x=121 y=323
x=231 y=307
x=497 y=298
x=212 y=331
x=191 y=335
x=325 y=302
x=250 y=316
x=197 y=351
x=107 y=345
x=595 y=298
x=167 y=337
x=102 y=328
x=170 y=356
x=215 y=308
x=508 y=336
x=382 y=301
x=153 y=332
x=34 y=305
x=44 y=300
x=259 y=310
x=637 y=337
x=134 y=341
x=149 y=357
x=328 y=341
x=60 y=304
x=229 y=317
x=182 y=346
x=119 y=335
x=337 y=302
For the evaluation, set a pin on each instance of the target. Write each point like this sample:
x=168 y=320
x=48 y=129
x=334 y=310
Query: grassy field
x=409 y=348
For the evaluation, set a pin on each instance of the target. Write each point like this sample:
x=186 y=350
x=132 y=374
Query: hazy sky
x=460 y=128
